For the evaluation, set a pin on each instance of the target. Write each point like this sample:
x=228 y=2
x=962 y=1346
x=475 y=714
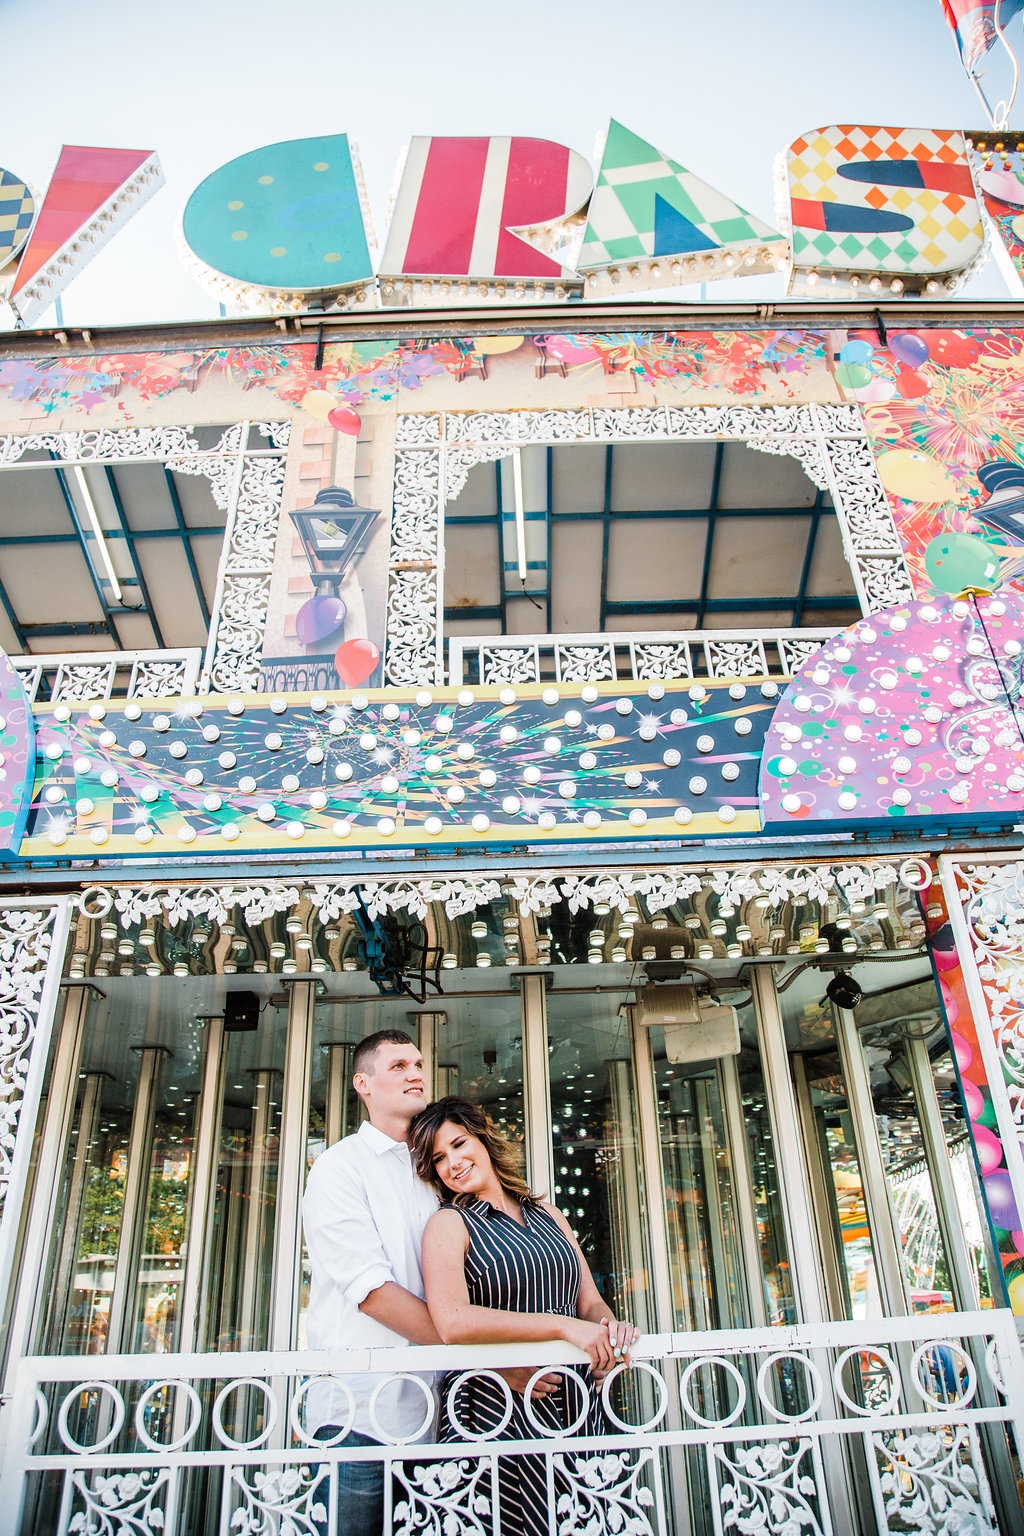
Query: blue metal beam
x=709 y=542
x=805 y=574
x=126 y=534
x=606 y=534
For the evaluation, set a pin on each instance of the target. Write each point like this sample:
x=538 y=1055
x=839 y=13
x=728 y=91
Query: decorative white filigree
x=509 y=664
x=829 y=885
x=794 y=652
x=828 y=440
x=291 y=1500
x=411 y=656
x=120 y=1503
x=445 y=1498
x=254 y=529
x=243 y=617
x=25 y=934
x=768 y=1488
x=660 y=662
x=158 y=679
x=934 y=1482
x=595 y=1494
x=735 y=658
x=584 y=663
x=77 y=682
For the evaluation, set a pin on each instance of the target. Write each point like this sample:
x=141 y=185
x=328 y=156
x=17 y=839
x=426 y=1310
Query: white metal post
x=540 y=1160
x=291 y=1166
x=205 y=1158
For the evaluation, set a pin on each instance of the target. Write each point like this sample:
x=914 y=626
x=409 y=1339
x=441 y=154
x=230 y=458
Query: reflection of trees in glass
x=101 y=1209
x=168 y=1192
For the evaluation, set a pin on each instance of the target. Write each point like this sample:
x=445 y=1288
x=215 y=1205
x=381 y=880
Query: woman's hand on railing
x=595 y=1339
x=622 y=1337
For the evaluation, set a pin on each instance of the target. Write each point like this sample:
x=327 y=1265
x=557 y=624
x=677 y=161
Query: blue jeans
x=360 y=1488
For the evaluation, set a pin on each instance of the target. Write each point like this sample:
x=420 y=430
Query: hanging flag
x=973 y=24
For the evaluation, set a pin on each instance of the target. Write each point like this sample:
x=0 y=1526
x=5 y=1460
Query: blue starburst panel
x=484 y=767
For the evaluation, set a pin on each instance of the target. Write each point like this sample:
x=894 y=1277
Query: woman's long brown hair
x=471 y=1118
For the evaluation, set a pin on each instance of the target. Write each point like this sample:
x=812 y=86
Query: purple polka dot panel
x=911 y=715
x=430 y=768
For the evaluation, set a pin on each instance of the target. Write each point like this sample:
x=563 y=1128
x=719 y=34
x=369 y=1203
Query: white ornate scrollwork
x=934 y=1482
x=254 y=530
x=657 y=662
x=509 y=664
x=25 y=938
x=80 y=681
x=243 y=614
x=291 y=1499
x=604 y=1493
x=584 y=663
x=120 y=1503
x=795 y=652
x=774 y=1488
x=445 y=1496
x=412 y=627
x=158 y=679
x=436 y=452
x=735 y=658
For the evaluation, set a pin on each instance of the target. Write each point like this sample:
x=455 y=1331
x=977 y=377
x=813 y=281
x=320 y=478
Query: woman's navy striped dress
x=528 y=1268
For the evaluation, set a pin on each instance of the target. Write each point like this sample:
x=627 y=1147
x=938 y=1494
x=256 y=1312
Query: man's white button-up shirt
x=363 y=1215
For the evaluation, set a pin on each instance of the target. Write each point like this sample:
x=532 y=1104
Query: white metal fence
x=77 y=677
x=655 y=657
x=885 y=1426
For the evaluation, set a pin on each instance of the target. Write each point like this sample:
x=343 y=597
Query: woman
x=501 y=1266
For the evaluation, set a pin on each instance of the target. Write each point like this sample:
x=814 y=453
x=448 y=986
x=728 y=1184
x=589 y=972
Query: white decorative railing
x=777 y=1421
x=657 y=656
x=78 y=677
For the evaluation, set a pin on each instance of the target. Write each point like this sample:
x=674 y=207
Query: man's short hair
x=366 y=1050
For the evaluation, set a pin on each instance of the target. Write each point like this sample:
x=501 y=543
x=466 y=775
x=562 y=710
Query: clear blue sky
x=721 y=86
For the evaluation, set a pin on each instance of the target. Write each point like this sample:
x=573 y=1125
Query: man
x=363 y=1214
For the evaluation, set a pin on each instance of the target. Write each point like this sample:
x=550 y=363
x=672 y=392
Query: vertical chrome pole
x=627 y=1204
x=881 y=1223
x=427 y=1034
x=79 y=1155
x=337 y=1110
x=540 y=1159
x=291 y=1167
x=50 y=1160
x=253 y=1283
x=743 y=1191
x=205 y=1158
x=801 y=1239
x=664 y=1320
x=133 y=1211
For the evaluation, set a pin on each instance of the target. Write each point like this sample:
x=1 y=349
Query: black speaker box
x=241 y=1010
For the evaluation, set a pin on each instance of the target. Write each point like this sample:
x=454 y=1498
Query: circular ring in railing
x=684 y=1398
x=428 y=1417
x=193 y=1424
x=65 y=1408
x=858 y=1351
x=218 y=1420
x=104 y=901
x=449 y=1403
x=814 y=1376
x=649 y=1424
x=545 y=1429
x=992 y=1367
x=42 y=1408
x=915 y=874
x=945 y=1367
x=296 y=1422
